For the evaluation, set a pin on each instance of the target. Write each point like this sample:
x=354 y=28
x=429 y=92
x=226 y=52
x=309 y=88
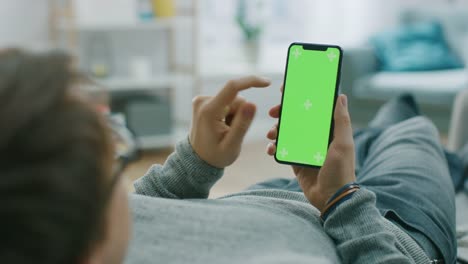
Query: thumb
x=240 y=124
x=343 y=131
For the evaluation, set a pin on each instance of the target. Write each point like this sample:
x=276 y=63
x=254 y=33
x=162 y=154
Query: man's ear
x=95 y=255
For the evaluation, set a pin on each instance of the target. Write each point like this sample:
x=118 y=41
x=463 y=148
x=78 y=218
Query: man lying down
x=395 y=206
x=382 y=196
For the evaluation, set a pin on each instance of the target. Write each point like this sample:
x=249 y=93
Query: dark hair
x=55 y=155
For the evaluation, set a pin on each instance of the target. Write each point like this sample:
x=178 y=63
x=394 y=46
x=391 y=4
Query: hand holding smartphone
x=311 y=84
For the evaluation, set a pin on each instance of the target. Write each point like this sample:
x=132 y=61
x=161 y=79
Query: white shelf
x=155 y=24
x=179 y=133
x=158 y=141
x=135 y=84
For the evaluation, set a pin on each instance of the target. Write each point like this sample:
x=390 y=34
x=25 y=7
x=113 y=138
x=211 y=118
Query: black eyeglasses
x=125 y=147
x=117 y=172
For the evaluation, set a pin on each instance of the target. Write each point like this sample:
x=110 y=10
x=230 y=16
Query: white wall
x=352 y=22
x=24 y=23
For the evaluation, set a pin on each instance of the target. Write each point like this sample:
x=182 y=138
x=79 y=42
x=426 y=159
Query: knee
x=415 y=127
x=417 y=131
x=423 y=125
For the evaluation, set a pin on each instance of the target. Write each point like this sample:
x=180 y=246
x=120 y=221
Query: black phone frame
x=310 y=46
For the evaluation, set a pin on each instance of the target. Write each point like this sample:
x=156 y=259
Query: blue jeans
x=405 y=166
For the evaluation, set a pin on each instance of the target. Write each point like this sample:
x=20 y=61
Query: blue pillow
x=414 y=47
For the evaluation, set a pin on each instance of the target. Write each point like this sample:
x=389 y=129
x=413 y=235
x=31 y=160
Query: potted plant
x=249 y=20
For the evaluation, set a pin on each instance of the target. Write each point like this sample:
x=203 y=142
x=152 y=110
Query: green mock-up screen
x=307 y=105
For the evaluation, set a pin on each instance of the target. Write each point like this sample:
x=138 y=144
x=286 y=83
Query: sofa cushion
x=414 y=47
x=436 y=87
x=454 y=20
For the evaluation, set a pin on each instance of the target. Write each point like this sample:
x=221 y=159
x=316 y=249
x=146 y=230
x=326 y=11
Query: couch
x=368 y=88
x=457 y=140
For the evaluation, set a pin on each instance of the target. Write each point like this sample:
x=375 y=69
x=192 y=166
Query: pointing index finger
x=233 y=87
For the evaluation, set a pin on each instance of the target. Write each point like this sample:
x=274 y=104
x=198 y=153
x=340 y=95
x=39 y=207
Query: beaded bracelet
x=343 y=194
x=342 y=189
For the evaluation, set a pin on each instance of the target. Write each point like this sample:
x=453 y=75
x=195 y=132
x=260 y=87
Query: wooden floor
x=139 y=167
x=253 y=166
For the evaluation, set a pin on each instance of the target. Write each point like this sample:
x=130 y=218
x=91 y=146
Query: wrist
x=202 y=154
x=341 y=195
x=193 y=160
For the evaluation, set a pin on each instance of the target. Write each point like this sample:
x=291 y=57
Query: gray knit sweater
x=175 y=223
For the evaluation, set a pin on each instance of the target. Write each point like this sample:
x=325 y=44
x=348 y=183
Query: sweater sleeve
x=184 y=175
x=363 y=235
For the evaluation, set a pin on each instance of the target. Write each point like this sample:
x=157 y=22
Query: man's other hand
x=220 y=123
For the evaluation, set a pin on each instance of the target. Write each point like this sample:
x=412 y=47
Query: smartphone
x=311 y=81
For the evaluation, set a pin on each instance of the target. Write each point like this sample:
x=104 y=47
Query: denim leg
x=396 y=110
x=407 y=170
